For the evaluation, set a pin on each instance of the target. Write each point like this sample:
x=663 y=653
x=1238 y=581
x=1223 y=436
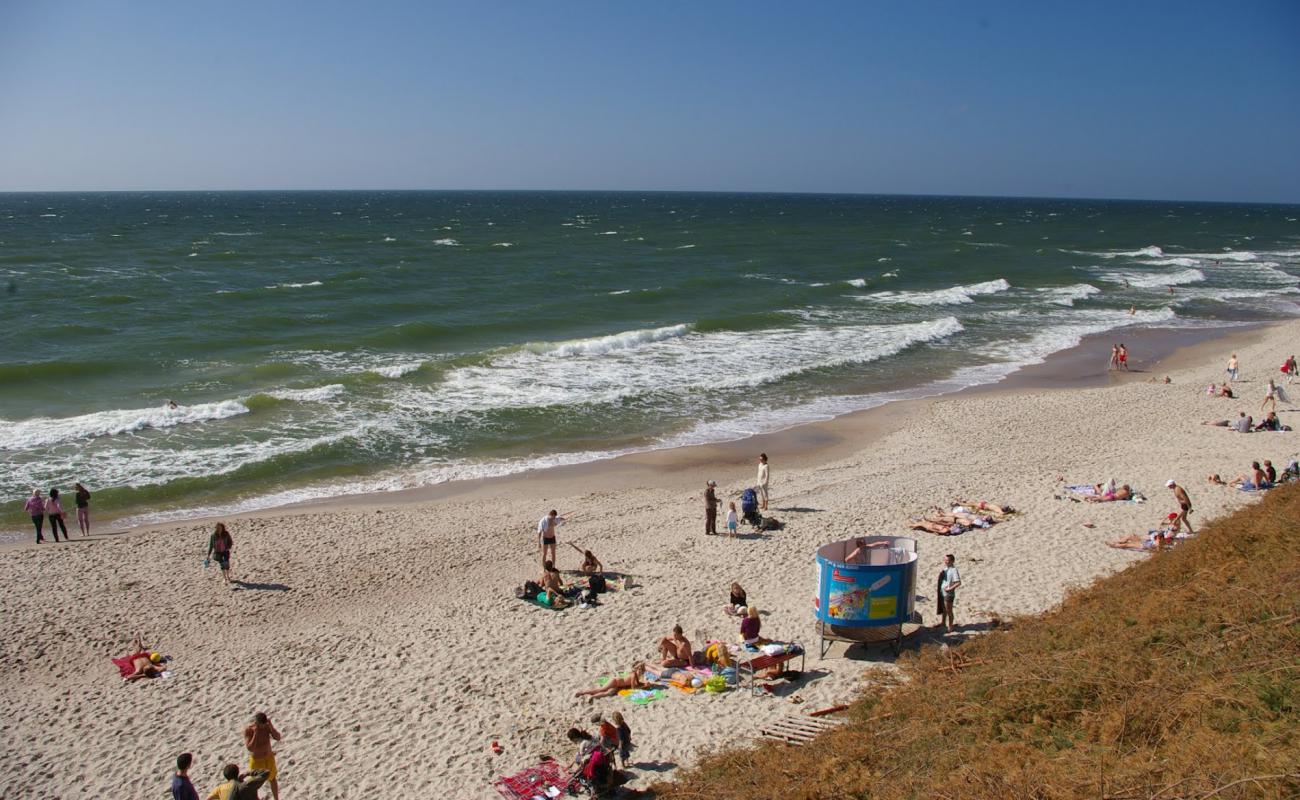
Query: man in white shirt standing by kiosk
x=951 y=582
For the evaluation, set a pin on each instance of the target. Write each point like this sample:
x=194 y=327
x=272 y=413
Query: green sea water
x=319 y=343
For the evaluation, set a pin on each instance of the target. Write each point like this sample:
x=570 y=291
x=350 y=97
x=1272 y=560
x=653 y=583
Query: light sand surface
x=386 y=644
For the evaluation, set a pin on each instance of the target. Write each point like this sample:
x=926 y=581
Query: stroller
x=749 y=508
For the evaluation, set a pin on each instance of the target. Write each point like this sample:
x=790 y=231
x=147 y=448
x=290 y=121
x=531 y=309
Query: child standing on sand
x=732 y=520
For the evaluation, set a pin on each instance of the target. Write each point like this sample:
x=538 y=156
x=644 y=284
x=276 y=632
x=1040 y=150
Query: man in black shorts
x=1184 y=503
x=546 y=533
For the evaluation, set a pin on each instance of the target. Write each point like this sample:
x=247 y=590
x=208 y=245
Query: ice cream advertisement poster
x=850 y=599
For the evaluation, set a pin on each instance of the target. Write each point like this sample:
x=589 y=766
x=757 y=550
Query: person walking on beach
x=35 y=508
x=54 y=511
x=83 y=509
x=762 y=481
x=546 y=533
x=1184 y=504
x=258 y=738
x=1123 y=357
x=220 y=546
x=1289 y=369
x=1114 y=357
x=950 y=583
x=711 y=508
x=1232 y=368
x=182 y=788
x=1271 y=395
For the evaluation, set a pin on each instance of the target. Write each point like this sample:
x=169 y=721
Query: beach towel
x=641 y=697
x=547 y=780
x=1086 y=491
x=125 y=663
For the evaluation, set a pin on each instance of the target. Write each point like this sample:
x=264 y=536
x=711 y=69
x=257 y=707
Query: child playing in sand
x=733 y=521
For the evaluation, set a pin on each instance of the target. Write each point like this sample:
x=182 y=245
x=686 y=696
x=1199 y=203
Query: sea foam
x=953 y=295
x=48 y=431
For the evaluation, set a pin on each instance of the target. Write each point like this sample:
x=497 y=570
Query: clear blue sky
x=1182 y=100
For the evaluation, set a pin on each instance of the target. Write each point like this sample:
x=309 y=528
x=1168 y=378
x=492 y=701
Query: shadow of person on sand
x=653 y=766
x=800 y=510
x=262 y=587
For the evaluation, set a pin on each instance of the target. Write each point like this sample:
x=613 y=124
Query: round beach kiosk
x=866 y=591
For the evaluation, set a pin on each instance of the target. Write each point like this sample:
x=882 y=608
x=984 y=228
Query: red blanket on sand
x=126 y=664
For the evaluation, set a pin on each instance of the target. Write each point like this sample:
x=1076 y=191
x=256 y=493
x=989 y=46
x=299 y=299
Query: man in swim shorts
x=1184 y=503
x=546 y=533
x=676 y=649
x=258 y=738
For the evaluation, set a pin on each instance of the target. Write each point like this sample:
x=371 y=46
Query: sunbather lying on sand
x=616 y=684
x=937 y=527
x=675 y=650
x=143 y=663
x=991 y=509
x=959 y=516
x=1216 y=480
x=1124 y=492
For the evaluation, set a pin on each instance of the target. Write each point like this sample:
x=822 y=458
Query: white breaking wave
x=397 y=370
x=243 y=233
x=1066 y=295
x=47 y=431
x=953 y=295
x=294 y=285
x=1170 y=262
x=1149 y=252
x=1148 y=280
x=609 y=344
x=678 y=360
x=1063 y=332
x=389 y=239
x=1227 y=255
x=314 y=395
x=684 y=247
x=858 y=282
x=620 y=291
x=447 y=242
x=607 y=233
x=503 y=244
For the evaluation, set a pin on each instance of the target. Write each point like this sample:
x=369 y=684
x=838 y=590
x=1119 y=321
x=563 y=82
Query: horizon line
x=1088 y=198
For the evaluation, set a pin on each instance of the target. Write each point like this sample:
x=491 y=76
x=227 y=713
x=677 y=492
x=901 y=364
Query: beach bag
x=530 y=590
x=771 y=524
x=597 y=584
x=596 y=769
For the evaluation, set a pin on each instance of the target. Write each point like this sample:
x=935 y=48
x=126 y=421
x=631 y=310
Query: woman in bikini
x=617 y=684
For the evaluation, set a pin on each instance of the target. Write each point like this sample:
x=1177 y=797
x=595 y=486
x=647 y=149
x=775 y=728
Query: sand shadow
x=262 y=587
x=800 y=510
x=786 y=686
x=653 y=766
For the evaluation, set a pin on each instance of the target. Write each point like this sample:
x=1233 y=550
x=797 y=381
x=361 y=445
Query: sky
x=1156 y=100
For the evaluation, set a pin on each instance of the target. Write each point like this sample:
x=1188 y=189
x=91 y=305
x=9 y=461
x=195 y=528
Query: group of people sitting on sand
x=965 y=515
x=551 y=590
x=1260 y=476
x=1244 y=423
x=598 y=755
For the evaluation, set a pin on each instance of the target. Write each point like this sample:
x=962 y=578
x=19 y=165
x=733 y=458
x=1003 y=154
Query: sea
x=326 y=343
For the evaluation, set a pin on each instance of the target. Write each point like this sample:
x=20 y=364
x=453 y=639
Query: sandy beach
x=382 y=636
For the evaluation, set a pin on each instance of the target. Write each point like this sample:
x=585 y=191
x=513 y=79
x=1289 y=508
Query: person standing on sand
x=762 y=481
x=83 y=509
x=258 y=738
x=54 y=511
x=221 y=545
x=711 y=508
x=1232 y=368
x=1114 y=357
x=35 y=508
x=949 y=584
x=182 y=788
x=546 y=533
x=1123 y=357
x=1184 y=503
x=1289 y=369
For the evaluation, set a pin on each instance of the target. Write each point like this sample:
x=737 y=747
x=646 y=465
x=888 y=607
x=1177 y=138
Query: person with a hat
x=1184 y=503
x=711 y=508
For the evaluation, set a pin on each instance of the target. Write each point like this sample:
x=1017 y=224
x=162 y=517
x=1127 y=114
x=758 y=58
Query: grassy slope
x=1177 y=678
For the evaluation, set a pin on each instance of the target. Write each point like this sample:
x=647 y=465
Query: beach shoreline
x=365 y=628
x=1078 y=367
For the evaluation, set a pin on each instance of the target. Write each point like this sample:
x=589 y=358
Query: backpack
x=530 y=590
x=597 y=584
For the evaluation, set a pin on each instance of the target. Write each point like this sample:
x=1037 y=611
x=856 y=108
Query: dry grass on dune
x=1177 y=678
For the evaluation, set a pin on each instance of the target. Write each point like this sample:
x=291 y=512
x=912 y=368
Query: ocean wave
x=607 y=233
x=610 y=343
x=397 y=370
x=1170 y=262
x=684 y=247
x=289 y=286
x=1227 y=255
x=643 y=363
x=1064 y=330
x=1066 y=295
x=241 y=233
x=314 y=395
x=447 y=242
x=503 y=244
x=619 y=291
x=1148 y=280
x=1151 y=251
x=389 y=239
x=858 y=282
x=953 y=295
x=47 y=431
